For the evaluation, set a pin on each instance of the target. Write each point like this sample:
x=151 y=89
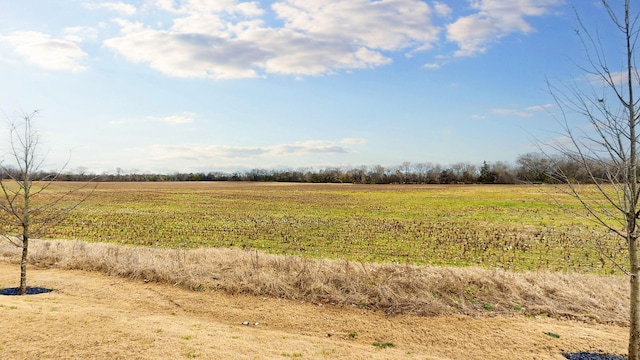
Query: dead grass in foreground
x=93 y=316
x=394 y=289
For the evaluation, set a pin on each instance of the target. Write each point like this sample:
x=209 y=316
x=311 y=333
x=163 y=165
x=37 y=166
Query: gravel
x=593 y=356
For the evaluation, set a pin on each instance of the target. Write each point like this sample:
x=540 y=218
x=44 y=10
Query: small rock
x=245 y=323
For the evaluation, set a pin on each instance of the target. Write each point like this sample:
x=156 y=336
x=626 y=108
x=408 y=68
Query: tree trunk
x=634 y=298
x=23 y=266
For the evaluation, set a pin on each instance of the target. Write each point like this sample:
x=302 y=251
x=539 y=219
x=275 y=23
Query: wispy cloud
x=617 y=78
x=493 y=20
x=442 y=9
x=512 y=112
x=115 y=6
x=544 y=107
x=77 y=34
x=225 y=153
x=184 y=118
x=353 y=141
x=45 y=51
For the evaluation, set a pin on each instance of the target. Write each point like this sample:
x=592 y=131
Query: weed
x=327 y=352
x=487 y=306
x=352 y=335
x=553 y=335
x=382 y=345
x=191 y=354
x=293 y=355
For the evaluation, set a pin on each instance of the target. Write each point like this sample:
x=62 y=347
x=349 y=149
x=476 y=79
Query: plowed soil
x=93 y=316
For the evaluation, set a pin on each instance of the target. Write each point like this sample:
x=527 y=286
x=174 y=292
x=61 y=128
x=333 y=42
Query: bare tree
x=26 y=212
x=606 y=148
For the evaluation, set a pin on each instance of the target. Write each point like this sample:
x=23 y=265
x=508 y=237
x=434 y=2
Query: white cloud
x=384 y=25
x=47 y=52
x=249 y=9
x=543 y=107
x=187 y=55
x=616 y=78
x=493 y=20
x=306 y=147
x=353 y=141
x=79 y=34
x=210 y=6
x=525 y=113
x=115 y=6
x=512 y=112
x=185 y=118
x=221 y=153
x=442 y=9
x=167 y=5
x=227 y=39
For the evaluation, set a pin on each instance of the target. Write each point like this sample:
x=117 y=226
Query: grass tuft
x=383 y=345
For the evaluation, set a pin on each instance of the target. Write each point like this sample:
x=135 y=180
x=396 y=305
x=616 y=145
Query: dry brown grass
x=395 y=289
x=93 y=316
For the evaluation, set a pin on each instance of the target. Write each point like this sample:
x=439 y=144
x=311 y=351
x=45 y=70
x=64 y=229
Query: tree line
x=528 y=168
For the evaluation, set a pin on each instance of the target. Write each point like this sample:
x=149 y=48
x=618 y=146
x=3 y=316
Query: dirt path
x=92 y=316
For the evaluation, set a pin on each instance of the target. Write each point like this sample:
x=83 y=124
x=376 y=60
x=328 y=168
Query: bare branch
x=25 y=209
x=606 y=147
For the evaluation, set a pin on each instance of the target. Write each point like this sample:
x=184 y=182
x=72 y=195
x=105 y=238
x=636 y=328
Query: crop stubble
x=510 y=227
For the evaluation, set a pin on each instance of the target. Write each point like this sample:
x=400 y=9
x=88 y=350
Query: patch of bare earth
x=94 y=316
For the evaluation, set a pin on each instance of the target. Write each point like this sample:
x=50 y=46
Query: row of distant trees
x=528 y=168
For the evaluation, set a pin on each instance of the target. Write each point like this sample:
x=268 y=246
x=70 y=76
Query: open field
x=198 y=275
x=507 y=227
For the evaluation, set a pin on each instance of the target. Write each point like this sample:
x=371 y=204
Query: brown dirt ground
x=93 y=316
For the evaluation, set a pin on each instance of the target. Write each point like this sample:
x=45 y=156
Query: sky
x=168 y=86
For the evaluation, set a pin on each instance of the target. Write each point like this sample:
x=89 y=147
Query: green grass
x=383 y=345
x=508 y=227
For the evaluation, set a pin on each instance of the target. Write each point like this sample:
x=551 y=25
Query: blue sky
x=204 y=85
